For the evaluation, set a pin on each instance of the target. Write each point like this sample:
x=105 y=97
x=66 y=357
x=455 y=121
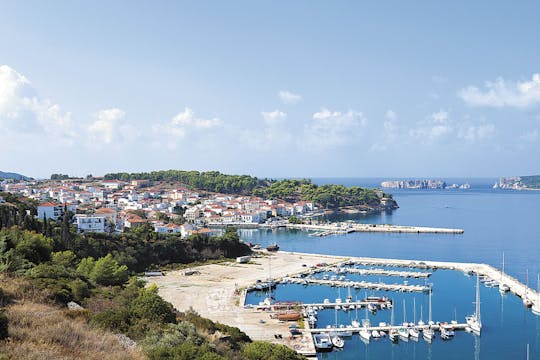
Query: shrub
x=3 y=325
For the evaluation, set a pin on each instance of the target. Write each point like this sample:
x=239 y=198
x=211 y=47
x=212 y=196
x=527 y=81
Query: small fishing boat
x=338 y=342
x=272 y=247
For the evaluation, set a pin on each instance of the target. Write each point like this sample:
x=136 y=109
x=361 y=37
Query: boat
x=365 y=334
x=272 y=247
x=536 y=306
x=474 y=321
x=503 y=288
x=446 y=333
x=428 y=333
x=393 y=334
x=413 y=332
x=375 y=334
x=403 y=334
x=322 y=342
x=338 y=342
x=344 y=332
x=289 y=316
x=526 y=301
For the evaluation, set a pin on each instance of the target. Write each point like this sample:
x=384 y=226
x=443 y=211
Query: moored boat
x=322 y=342
x=338 y=342
x=272 y=247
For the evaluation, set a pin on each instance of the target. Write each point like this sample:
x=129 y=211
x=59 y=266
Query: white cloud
x=23 y=111
x=434 y=128
x=274 y=117
x=289 y=98
x=475 y=133
x=183 y=123
x=389 y=134
x=330 y=129
x=107 y=126
x=530 y=136
x=500 y=93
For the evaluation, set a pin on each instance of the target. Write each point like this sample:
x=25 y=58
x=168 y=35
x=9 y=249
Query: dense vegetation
x=327 y=196
x=209 y=181
x=44 y=264
x=532 y=181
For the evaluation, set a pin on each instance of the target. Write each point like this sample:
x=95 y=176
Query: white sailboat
x=404 y=331
x=413 y=332
x=526 y=301
x=364 y=333
x=393 y=334
x=536 y=306
x=503 y=288
x=428 y=333
x=474 y=321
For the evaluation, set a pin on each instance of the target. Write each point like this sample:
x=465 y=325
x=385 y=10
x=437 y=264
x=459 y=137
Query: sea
x=495 y=221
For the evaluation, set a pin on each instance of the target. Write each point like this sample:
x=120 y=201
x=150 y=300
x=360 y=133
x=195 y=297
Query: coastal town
x=112 y=206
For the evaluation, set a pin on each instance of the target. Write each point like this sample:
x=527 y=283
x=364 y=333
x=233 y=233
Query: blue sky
x=270 y=88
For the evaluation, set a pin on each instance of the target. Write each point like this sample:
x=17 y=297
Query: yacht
x=375 y=334
x=322 y=342
x=365 y=335
x=503 y=288
x=446 y=333
x=474 y=321
x=414 y=333
x=428 y=333
x=536 y=306
x=403 y=334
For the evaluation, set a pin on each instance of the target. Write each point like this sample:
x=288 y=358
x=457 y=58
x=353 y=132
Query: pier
x=218 y=291
x=361 y=284
x=436 y=327
x=382 y=272
x=344 y=228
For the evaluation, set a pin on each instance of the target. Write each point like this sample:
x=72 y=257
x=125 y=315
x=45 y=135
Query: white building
x=52 y=210
x=92 y=223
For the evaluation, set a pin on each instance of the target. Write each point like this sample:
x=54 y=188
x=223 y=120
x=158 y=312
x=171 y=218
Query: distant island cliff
x=531 y=182
x=422 y=184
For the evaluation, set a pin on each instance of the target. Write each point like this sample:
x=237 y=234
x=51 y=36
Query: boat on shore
x=289 y=316
x=272 y=247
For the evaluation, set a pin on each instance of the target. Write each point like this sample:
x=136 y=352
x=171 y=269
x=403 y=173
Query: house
x=112 y=184
x=92 y=223
x=51 y=210
x=110 y=214
x=134 y=221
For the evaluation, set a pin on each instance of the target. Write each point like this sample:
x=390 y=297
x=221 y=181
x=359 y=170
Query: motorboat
x=322 y=342
x=365 y=334
x=338 y=342
x=446 y=333
x=375 y=334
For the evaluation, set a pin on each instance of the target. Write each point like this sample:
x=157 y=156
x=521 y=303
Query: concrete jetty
x=385 y=272
x=436 y=327
x=362 y=285
x=345 y=227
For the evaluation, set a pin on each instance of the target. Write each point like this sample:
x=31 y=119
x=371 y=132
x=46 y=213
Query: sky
x=271 y=88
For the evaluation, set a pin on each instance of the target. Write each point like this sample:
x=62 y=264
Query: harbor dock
x=346 y=227
x=218 y=291
x=362 y=285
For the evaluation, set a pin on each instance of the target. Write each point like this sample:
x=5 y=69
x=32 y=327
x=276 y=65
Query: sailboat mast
x=429 y=320
x=477 y=310
x=414 y=309
x=502 y=270
x=404 y=312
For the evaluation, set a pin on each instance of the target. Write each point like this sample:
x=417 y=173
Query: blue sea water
x=495 y=221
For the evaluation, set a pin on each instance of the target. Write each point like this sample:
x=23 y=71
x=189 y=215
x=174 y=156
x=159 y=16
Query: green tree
x=261 y=350
x=36 y=248
x=150 y=306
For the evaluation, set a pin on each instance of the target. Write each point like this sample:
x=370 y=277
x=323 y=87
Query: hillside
x=324 y=196
x=14 y=176
x=531 y=181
